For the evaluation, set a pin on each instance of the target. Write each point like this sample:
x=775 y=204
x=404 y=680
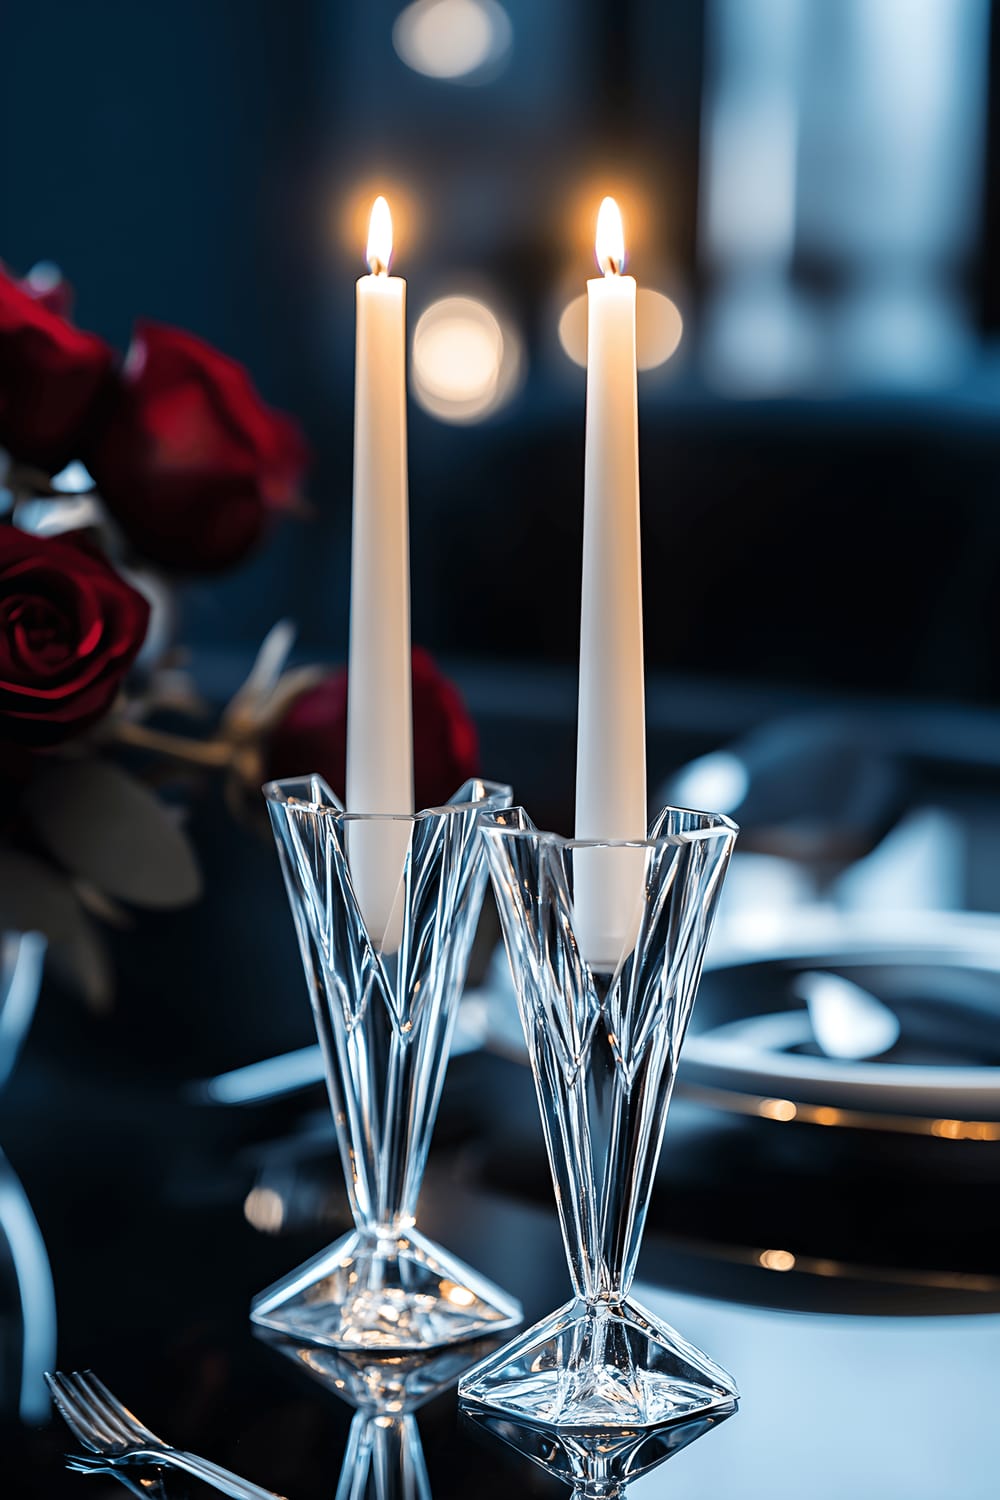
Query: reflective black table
x=850 y=1282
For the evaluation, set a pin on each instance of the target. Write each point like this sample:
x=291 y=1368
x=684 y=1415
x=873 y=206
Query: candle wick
x=378 y=267
x=612 y=266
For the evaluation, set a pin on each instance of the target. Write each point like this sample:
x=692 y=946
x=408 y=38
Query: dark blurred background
x=807 y=181
x=809 y=197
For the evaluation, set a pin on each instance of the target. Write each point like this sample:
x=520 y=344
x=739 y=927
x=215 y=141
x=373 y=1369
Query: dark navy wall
x=193 y=161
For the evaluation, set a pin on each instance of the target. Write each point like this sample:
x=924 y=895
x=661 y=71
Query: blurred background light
x=264 y=1209
x=750 y=132
x=762 y=337
x=839 y=205
x=43 y=278
x=719 y=779
x=466 y=361
x=462 y=41
x=658 y=328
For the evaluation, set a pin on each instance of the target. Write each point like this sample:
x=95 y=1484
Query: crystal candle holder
x=603 y=1047
x=384 y=1013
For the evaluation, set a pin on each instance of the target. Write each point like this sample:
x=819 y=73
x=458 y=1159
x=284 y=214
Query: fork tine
x=115 y=1409
x=100 y=1418
x=100 y=1411
x=75 y=1418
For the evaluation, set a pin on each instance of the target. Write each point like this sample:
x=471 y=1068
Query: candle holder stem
x=384 y=1013
x=384 y=1460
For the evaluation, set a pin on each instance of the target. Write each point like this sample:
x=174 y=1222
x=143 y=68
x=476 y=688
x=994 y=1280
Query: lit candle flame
x=610 y=241
x=379 y=252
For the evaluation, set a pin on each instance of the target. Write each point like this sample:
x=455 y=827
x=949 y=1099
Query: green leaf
x=111 y=830
x=36 y=898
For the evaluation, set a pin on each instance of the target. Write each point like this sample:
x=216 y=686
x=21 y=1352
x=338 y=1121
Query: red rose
x=312 y=737
x=51 y=378
x=69 y=630
x=191 y=462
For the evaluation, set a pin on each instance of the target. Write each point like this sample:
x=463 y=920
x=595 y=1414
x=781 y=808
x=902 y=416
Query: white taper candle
x=379 y=713
x=611 y=744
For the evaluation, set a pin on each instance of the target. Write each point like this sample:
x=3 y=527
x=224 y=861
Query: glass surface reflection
x=599 y=1465
x=22 y=955
x=384 y=1458
x=27 y=1304
x=27 y=1296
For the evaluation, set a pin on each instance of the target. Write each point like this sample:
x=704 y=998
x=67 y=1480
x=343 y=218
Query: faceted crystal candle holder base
x=384 y=1292
x=605 y=989
x=600 y=1366
x=385 y=1005
x=600 y=1465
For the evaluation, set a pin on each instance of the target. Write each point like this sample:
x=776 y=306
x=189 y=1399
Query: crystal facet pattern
x=604 y=1049
x=384 y=1015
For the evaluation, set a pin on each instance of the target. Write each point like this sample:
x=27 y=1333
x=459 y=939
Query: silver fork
x=145 y=1487
x=105 y=1426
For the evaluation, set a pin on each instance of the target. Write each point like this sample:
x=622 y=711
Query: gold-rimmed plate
x=747 y=1050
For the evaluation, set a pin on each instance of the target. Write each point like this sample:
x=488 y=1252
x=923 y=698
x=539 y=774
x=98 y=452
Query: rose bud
x=70 y=628
x=52 y=378
x=191 y=463
x=312 y=737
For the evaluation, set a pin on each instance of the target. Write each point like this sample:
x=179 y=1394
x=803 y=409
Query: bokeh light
x=462 y=41
x=458 y=351
x=777 y=1260
x=719 y=779
x=466 y=361
x=658 y=328
x=264 y=1208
